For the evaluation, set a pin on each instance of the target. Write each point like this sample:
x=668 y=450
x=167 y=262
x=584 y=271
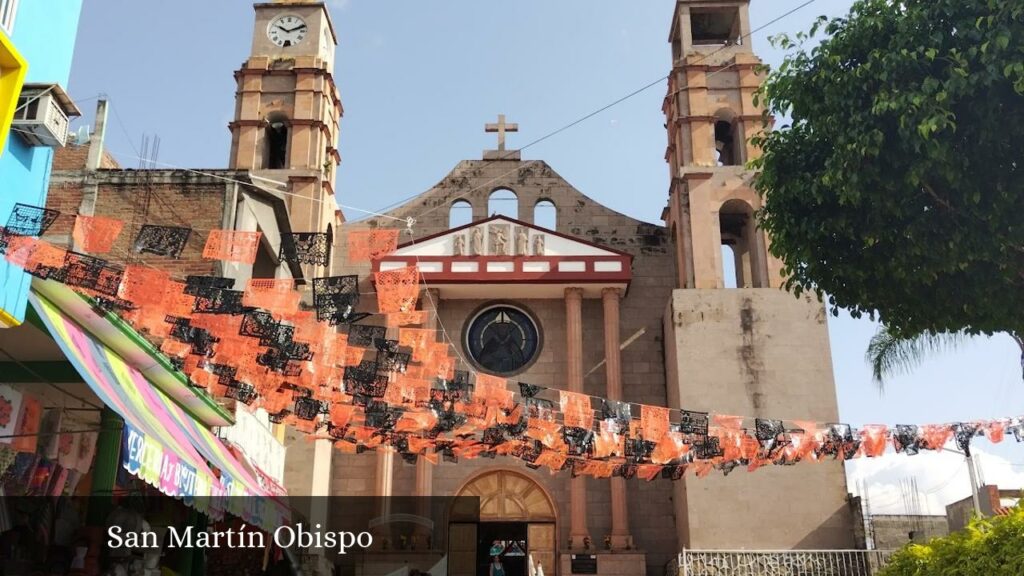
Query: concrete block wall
x=894 y=531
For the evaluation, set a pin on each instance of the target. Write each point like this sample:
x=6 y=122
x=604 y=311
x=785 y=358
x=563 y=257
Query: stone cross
x=501 y=127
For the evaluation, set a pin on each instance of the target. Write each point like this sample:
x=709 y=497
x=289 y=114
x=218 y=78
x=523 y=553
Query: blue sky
x=419 y=80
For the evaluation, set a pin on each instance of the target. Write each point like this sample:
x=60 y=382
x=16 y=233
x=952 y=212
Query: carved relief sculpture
x=500 y=242
x=478 y=241
x=460 y=245
x=538 y=245
x=522 y=242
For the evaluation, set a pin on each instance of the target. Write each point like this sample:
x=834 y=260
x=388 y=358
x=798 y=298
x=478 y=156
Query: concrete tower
x=753 y=350
x=288 y=109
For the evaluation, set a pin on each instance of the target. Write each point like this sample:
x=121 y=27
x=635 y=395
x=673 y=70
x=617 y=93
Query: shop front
x=97 y=429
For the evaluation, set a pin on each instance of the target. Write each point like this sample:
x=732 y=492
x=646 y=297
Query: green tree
x=987 y=547
x=896 y=188
x=889 y=354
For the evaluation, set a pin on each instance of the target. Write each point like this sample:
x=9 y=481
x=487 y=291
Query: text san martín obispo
x=298 y=536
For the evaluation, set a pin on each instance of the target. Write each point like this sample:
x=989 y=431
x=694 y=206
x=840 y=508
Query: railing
x=778 y=563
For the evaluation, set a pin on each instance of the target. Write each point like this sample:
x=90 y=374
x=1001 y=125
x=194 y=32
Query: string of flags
x=382 y=381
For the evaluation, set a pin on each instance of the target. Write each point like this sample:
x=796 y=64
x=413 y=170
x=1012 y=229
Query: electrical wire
x=612 y=104
x=530 y=144
x=380 y=213
x=46 y=381
x=255 y=185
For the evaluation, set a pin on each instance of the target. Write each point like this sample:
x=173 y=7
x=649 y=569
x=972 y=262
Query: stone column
x=425 y=470
x=424 y=477
x=429 y=301
x=384 y=478
x=611 y=297
x=319 y=490
x=574 y=376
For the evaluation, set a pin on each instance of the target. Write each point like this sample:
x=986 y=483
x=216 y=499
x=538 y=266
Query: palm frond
x=889 y=354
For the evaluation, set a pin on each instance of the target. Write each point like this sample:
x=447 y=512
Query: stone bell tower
x=288 y=109
x=754 y=350
x=711 y=117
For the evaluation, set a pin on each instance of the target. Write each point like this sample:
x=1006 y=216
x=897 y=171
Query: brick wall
x=67 y=198
x=72 y=157
x=163 y=197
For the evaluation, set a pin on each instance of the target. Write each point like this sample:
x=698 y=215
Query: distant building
x=37 y=35
x=993 y=502
x=893 y=531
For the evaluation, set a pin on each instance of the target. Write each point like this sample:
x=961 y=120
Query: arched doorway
x=517 y=521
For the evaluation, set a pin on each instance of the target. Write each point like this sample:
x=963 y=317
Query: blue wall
x=44 y=33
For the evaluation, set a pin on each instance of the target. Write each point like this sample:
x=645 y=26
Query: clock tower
x=288 y=108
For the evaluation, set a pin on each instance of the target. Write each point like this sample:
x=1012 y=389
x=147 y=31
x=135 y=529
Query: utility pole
x=973 y=473
x=974 y=484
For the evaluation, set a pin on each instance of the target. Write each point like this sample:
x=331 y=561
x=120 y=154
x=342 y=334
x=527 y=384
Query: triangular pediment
x=503 y=236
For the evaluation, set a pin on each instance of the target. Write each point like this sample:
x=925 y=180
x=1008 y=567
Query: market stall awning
x=158 y=432
x=116 y=335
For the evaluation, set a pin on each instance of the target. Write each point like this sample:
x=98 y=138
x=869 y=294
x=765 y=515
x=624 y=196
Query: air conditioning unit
x=42 y=115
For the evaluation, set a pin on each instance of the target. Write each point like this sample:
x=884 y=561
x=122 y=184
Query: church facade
x=595 y=301
x=566 y=294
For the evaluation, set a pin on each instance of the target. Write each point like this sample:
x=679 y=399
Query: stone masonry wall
x=650 y=504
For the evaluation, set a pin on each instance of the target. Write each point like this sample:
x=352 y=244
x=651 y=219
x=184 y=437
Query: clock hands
x=288 y=37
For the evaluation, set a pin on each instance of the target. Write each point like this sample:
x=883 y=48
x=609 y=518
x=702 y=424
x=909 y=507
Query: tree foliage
x=897 y=186
x=889 y=355
x=987 y=547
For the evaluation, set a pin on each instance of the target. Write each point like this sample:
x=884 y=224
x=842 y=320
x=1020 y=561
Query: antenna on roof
x=150 y=152
x=144 y=152
x=155 y=152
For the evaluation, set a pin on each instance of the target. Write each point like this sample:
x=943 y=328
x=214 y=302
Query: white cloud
x=942 y=478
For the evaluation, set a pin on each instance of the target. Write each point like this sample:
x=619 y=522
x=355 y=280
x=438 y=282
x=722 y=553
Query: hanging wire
x=47 y=381
x=614 y=103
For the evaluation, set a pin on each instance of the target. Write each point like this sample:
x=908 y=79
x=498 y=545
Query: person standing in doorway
x=497 y=568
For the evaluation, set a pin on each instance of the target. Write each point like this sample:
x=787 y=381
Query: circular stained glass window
x=502 y=340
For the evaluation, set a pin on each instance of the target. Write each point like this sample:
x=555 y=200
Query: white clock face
x=287 y=30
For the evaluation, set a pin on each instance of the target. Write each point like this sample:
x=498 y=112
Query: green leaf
x=896 y=188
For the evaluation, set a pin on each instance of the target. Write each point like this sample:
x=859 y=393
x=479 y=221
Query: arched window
x=545 y=215
x=728 y=139
x=276 y=142
x=460 y=214
x=740 y=253
x=729 y=266
x=504 y=202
